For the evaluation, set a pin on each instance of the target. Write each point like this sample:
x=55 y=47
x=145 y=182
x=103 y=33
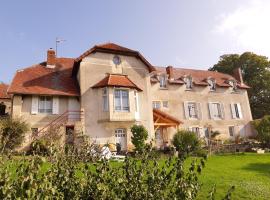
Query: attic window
x=162 y=81
x=233 y=84
x=212 y=84
x=188 y=81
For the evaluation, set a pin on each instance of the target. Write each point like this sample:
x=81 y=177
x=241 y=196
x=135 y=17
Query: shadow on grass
x=263 y=168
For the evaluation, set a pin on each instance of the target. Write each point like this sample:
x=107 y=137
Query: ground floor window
x=231 y=131
x=2 y=109
x=121 y=139
x=195 y=130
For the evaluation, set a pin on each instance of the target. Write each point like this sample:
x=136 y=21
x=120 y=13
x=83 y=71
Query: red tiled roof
x=3 y=91
x=116 y=80
x=115 y=49
x=41 y=80
x=166 y=116
x=199 y=77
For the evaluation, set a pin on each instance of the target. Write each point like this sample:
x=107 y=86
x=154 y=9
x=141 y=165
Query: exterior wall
x=7 y=103
x=99 y=125
x=176 y=95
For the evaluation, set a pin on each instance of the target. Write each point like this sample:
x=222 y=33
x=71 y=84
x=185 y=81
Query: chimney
x=238 y=75
x=51 y=58
x=169 y=71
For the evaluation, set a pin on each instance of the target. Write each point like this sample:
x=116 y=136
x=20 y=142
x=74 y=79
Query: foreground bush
x=139 y=136
x=186 y=142
x=12 y=132
x=262 y=127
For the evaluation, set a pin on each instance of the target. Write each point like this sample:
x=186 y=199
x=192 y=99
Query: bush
x=139 y=136
x=39 y=147
x=12 y=132
x=186 y=142
x=262 y=127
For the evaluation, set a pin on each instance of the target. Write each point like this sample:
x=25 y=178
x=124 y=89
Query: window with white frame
x=212 y=84
x=156 y=104
x=192 y=110
x=45 y=104
x=231 y=131
x=216 y=110
x=233 y=84
x=162 y=81
x=195 y=130
x=121 y=100
x=105 y=100
x=236 y=111
x=188 y=81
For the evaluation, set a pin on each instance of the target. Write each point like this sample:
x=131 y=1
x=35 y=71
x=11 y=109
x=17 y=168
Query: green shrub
x=39 y=147
x=186 y=142
x=262 y=127
x=139 y=136
x=12 y=132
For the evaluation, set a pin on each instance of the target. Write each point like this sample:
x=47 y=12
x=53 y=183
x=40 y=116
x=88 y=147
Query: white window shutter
x=34 y=109
x=210 y=111
x=240 y=110
x=233 y=111
x=199 y=110
x=55 y=110
x=222 y=111
x=186 y=110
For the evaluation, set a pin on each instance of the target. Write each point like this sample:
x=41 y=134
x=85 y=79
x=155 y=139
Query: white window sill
x=163 y=88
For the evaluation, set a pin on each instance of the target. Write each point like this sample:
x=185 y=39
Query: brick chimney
x=51 y=58
x=238 y=75
x=169 y=71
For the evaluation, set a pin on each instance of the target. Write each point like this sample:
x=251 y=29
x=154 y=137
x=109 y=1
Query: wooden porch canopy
x=162 y=119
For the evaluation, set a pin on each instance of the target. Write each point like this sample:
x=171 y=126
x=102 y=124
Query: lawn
x=249 y=173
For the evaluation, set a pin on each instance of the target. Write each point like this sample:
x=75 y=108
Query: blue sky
x=181 y=33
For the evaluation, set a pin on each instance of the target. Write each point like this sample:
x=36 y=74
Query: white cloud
x=248 y=26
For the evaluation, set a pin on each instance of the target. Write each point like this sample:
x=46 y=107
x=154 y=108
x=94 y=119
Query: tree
x=256 y=74
x=186 y=142
x=139 y=136
x=12 y=131
x=262 y=127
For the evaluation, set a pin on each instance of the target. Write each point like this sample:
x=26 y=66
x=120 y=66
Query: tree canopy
x=256 y=74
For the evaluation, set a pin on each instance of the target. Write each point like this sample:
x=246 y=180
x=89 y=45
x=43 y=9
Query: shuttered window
x=192 y=110
x=216 y=111
x=236 y=111
x=45 y=104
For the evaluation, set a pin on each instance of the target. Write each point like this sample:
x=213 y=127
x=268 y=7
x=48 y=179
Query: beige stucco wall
x=176 y=95
x=101 y=125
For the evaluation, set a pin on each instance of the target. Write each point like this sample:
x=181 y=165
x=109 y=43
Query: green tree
x=262 y=127
x=186 y=142
x=12 y=131
x=256 y=74
x=139 y=136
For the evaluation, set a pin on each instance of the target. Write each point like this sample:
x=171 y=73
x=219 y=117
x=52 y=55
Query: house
x=108 y=88
x=5 y=100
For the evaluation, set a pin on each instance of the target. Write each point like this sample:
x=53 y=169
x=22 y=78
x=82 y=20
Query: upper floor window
x=165 y=104
x=212 y=84
x=45 y=104
x=121 y=100
x=191 y=110
x=162 y=81
x=156 y=104
x=188 y=81
x=216 y=111
x=105 y=100
x=236 y=111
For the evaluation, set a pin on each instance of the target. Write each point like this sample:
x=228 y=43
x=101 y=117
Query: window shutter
x=233 y=111
x=34 y=109
x=222 y=111
x=240 y=110
x=210 y=111
x=199 y=110
x=186 y=110
x=55 y=105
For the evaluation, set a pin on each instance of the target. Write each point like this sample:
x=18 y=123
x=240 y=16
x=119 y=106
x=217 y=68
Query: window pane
x=125 y=102
x=192 y=110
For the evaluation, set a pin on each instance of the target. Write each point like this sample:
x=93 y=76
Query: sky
x=181 y=33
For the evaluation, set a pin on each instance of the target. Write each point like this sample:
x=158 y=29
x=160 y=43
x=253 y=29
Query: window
x=236 y=111
x=34 y=132
x=216 y=110
x=192 y=110
x=156 y=104
x=231 y=131
x=45 y=104
x=188 y=81
x=136 y=101
x=105 y=102
x=165 y=104
x=212 y=84
x=195 y=130
x=162 y=81
x=121 y=100
x=233 y=84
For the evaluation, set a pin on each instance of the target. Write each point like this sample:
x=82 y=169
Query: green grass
x=249 y=173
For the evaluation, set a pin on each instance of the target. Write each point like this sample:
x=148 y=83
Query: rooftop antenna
x=58 y=40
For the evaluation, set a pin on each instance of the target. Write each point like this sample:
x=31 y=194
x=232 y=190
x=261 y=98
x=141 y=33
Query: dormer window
x=212 y=84
x=162 y=81
x=188 y=81
x=233 y=84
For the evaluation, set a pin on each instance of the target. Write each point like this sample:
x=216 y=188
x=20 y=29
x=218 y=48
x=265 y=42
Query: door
x=2 y=109
x=121 y=138
x=159 y=138
x=69 y=134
